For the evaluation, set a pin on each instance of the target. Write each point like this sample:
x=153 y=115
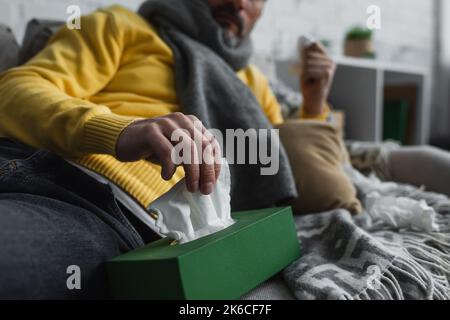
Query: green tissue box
x=224 y=265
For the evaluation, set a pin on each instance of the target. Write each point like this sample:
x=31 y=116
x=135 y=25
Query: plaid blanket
x=399 y=248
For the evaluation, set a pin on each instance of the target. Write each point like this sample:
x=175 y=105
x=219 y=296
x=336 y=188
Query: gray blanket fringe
x=338 y=251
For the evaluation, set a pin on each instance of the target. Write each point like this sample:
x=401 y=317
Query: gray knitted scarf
x=207 y=87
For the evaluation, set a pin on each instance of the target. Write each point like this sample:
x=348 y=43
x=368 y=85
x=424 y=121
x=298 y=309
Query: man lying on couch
x=108 y=97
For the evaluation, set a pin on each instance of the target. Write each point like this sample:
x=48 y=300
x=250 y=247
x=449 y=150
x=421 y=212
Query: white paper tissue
x=402 y=213
x=186 y=216
x=394 y=211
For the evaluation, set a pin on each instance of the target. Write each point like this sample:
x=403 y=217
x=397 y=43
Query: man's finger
x=217 y=158
x=199 y=126
x=217 y=152
x=207 y=170
x=318 y=47
x=186 y=122
x=207 y=166
x=190 y=161
x=162 y=149
x=317 y=55
x=192 y=168
x=318 y=64
x=318 y=73
x=186 y=131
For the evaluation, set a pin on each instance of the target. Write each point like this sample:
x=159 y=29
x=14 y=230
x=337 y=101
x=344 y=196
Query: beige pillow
x=316 y=153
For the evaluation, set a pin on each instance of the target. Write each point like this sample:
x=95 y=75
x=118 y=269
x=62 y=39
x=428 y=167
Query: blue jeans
x=53 y=216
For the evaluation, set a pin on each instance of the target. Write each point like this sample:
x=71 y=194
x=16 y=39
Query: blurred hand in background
x=316 y=76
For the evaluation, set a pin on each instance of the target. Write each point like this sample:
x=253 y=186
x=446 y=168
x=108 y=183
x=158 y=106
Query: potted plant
x=358 y=43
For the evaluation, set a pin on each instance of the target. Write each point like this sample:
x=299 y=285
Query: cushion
x=372 y=157
x=37 y=34
x=317 y=155
x=9 y=48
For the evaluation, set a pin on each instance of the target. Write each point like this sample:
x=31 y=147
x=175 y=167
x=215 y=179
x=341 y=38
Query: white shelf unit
x=358 y=90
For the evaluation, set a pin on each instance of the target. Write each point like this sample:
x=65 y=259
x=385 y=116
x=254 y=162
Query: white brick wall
x=16 y=13
x=406 y=33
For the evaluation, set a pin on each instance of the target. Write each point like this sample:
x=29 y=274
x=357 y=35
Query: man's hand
x=150 y=139
x=316 y=77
